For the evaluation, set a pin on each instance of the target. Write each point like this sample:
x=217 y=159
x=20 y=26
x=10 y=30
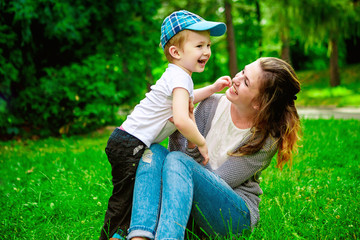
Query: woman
x=243 y=129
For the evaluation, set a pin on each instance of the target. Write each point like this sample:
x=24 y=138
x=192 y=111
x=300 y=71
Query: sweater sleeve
x=239 y=169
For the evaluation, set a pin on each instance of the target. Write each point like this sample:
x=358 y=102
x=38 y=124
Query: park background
x=69 y=69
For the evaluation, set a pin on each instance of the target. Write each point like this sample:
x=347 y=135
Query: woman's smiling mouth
x=234 y=89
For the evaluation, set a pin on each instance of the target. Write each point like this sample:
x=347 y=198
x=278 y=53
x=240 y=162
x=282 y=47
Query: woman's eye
x=245 y=80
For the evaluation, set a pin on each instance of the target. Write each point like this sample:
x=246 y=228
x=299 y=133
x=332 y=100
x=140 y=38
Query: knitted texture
x=241 y=173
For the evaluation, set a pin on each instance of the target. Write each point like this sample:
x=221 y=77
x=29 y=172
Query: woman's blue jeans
x=170 y=186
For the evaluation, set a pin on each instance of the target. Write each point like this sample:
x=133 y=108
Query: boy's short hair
x=177 y=40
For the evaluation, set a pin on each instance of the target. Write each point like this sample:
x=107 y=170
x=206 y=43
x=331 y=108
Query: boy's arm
x=205 y=92
x=181 y=118
x=184 y=123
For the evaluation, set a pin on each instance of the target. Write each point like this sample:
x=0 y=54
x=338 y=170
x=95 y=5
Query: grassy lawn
x=59 y=188
x=316 y=90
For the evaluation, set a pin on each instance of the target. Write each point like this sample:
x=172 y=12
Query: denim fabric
x=162 y=205
x=124 y=152
x=147 y=193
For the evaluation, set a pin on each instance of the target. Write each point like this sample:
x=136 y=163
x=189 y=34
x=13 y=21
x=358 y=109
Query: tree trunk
x=230 y=37
x=285 y=46
x=334 y=63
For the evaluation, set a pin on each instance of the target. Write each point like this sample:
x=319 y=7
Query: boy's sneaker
x=118 y=235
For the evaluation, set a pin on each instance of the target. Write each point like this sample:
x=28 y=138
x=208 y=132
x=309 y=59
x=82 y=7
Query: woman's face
x=245 y=86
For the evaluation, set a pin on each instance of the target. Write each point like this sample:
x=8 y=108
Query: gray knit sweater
x=241 y=173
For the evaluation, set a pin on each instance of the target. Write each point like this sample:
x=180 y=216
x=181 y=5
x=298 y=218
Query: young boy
x=185 y=39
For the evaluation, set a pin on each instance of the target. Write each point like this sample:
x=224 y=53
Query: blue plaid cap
x=180 y=20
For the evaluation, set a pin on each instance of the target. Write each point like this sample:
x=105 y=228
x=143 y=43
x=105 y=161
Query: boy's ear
x=174 y=52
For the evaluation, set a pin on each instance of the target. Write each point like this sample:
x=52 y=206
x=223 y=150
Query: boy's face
x=195 y=52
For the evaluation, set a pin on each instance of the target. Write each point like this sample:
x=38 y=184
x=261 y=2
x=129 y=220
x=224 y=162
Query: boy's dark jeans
x=124 y=152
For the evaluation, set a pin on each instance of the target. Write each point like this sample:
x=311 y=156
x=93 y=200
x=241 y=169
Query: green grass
x=54 y=188
x=59 y=188
x=316 y=90
x=319 y=197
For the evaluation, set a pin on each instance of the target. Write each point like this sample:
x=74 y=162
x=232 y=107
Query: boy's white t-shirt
x=149 y=119
x=223 y=136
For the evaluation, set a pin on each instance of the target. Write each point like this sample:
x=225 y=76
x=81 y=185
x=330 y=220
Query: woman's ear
x=175 y=52
x=255 y=105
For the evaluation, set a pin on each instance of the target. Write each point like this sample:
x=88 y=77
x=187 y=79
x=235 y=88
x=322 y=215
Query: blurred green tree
x=40 y=37
x=333 y=20
x=280 y=24
x=246 y=17
x=66 y=66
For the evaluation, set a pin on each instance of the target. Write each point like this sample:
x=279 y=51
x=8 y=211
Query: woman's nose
x=238 y=74
x=236 y=80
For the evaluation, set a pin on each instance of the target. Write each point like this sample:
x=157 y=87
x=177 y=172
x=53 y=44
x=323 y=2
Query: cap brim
x=216 y=28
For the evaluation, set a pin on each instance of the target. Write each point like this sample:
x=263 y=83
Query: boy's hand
x=204 y=152
x=191 y=110
x=221 y=83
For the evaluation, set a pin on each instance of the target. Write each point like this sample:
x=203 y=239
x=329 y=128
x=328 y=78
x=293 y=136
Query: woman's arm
x=238 y=169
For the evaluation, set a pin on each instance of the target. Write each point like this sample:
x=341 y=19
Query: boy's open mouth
x=202 y=61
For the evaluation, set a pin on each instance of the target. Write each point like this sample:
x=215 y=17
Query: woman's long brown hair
x=277 y=115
